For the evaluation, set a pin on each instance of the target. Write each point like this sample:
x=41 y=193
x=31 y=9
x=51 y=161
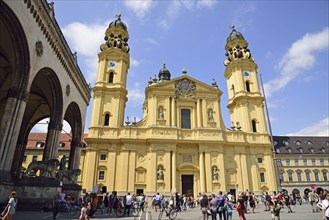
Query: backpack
x=268 y=198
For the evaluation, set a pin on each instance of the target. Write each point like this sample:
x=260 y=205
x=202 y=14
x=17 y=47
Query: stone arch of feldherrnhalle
x=39 y=79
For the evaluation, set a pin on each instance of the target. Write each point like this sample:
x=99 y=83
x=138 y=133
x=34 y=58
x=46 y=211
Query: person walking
x=286 y=198
x=10 y=209
x=221 y=203
x=213 y=207
x=241 y=207
x=325 y=207
x=83 y=212
x=252 y=202
x=276 y=210
x=204 y=205
x=127 y=204
x=56 y=204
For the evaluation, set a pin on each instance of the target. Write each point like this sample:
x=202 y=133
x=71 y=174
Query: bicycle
x=68 y=208
x=119 y=208
x=171 y=213
x=134 y=210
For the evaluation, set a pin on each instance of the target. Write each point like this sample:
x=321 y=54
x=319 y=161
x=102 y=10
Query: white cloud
x=42 y=126
x=300 y=57
x=134 y=62
x=241 y=17
x=140 y=8
x=86 y=40
x=319 y=129
x=175 y=8
x=151 y=41
x=136 y=95
x=268 y=54
x=206 y=3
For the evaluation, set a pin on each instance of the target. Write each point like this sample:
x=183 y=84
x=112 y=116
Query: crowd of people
x=212 y=206
x=221 y=205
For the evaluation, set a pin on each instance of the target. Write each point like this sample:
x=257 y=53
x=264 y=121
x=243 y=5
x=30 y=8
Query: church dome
x=234 y=35
x=118 y=23
x=164 y=73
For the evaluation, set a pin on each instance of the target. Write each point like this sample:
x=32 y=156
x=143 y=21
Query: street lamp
x=270 y=130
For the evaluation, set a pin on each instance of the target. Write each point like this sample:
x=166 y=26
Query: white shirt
x=83 y=212
x=325 y=204
x=128 y=199
x=12 y=205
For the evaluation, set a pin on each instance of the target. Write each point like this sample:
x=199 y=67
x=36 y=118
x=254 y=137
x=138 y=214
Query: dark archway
x=74 y=118
x=14 y=75
x=45 y=100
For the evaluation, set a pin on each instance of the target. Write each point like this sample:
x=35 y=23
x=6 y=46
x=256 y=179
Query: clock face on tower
x=246 y=73
x=112 y=64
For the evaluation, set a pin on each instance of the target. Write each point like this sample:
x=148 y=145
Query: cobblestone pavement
x=303 y=212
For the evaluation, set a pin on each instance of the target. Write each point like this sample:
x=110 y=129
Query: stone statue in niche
x=160 y=173
x=215 y=174
x=161 y=114
x=210 y=115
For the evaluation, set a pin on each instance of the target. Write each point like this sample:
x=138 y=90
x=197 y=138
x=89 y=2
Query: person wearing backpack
x=229 y=212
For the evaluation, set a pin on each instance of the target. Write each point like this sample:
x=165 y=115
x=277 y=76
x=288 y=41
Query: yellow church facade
x=181 y=144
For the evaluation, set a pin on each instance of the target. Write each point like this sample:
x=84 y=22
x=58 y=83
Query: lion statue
x=69 y=175
x=47 y=168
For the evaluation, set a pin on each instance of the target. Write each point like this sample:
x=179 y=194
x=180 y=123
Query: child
x=11 y=206
x=83 y=212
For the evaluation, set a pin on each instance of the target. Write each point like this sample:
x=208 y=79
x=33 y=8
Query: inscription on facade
x=187 y=159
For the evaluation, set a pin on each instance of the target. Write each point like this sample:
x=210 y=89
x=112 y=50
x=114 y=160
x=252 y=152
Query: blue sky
x=288 y=39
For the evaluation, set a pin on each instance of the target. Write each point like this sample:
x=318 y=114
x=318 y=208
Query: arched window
x=254 y=128
x=247 y=86
x=111 y=76
x=107 y=119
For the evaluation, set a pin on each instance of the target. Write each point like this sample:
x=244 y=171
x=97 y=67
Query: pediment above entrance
x=187 y=167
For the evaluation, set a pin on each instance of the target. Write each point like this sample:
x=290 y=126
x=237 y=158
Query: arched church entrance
x=189 y=174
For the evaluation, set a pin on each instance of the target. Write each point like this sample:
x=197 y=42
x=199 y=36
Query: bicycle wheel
x=160 y=214
x=134 y=212
x=119 y=211
x=72 y=210
x=172 y=214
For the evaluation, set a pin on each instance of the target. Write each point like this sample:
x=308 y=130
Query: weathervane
x=118 y=16
x=232 y=25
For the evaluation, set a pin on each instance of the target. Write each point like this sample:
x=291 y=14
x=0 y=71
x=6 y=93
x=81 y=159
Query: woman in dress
x=241 y=207
x=11 y=207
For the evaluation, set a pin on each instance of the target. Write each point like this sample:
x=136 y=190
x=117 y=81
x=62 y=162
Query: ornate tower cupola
x=245 y=100
x=236 y=48
x=110 y=88
x=116 y=36
x=164 y=73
